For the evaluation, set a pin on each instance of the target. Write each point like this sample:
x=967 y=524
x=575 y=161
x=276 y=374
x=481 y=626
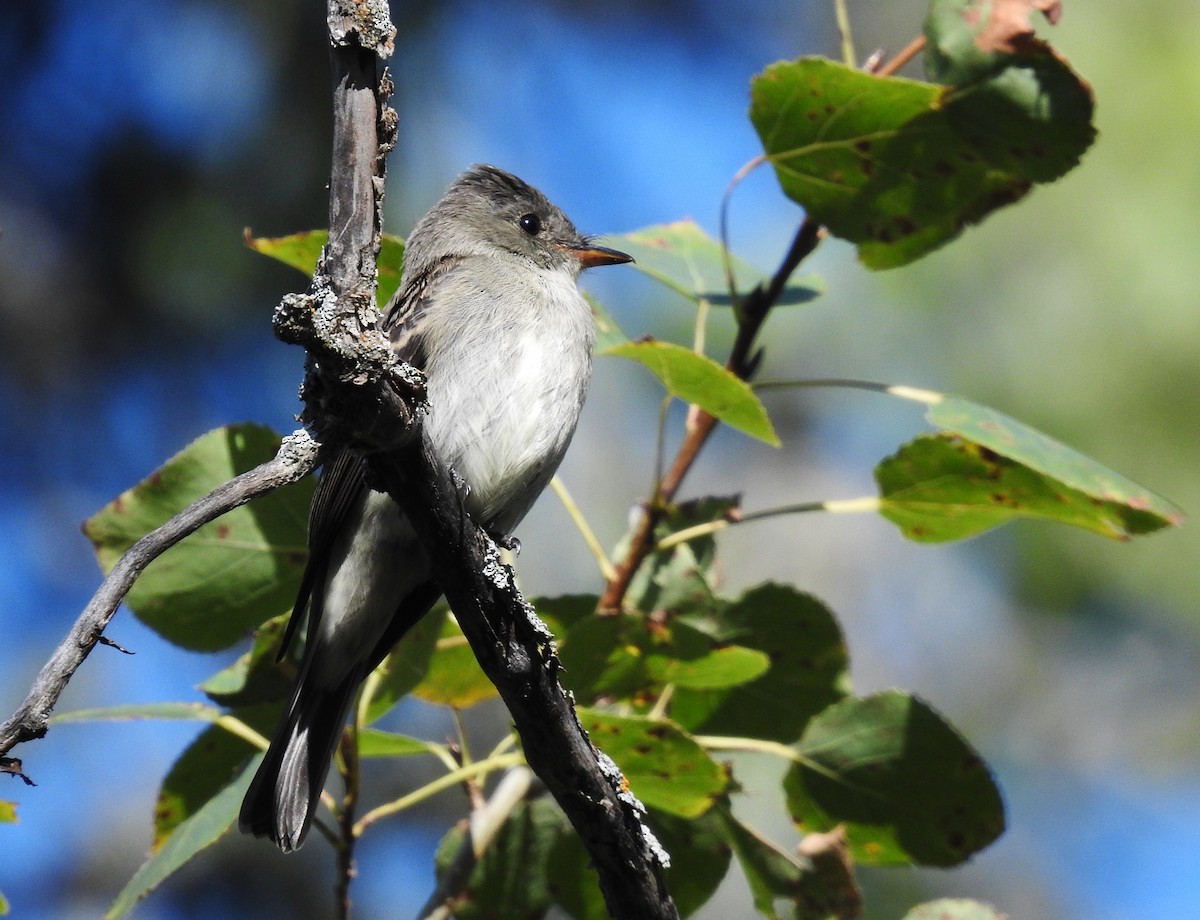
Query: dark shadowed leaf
x=903 y=782
x=408 y=663
x=257 y=676
x=822 y=890
x=204 y=769
x=808 y=668
x=510 y=881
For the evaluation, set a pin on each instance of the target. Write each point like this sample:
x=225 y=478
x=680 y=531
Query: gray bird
x=489 y=309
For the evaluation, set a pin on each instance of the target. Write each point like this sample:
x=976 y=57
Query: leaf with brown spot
x=663 y=765
x=211 y=589
x=904 y=783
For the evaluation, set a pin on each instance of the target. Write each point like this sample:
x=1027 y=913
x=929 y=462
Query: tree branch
x=743 y=361
x=357 y=394
x=297 y=457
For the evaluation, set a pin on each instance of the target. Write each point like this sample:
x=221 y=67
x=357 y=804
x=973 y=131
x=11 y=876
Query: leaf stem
x=751 y=314
x=446 y=781
x=585 y=530
x=849 y=58
x=832 y=506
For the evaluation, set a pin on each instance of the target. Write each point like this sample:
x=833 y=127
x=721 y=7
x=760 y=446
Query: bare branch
x=297 y=457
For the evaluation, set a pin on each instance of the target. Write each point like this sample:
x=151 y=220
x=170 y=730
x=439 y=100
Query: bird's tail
x=283 y=795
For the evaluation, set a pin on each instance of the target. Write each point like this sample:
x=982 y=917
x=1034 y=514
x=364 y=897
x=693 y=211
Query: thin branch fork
x=743 y=361
x=297 y=457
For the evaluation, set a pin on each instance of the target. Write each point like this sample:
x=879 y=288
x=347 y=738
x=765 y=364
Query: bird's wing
x=406 y=316
x=344 y=478
x=343 y=481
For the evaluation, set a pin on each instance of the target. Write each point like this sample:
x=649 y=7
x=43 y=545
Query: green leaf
x=629 y=658
x=900 y=167
x=691 y=263
x=184 y=712
x=665 y=768
x=257 y=676
x=1010 y=438
x=191 y=837
x=700 y=380
x=210 y=590
x=942 y=487
x=954 y=909
x=407 y=664
x=301 y=251
x=510 y=881
x=375 y=743
x=716 y=669
x=821 y=890
x=681 y=579
x=809 y=663
x=454 y=677
x=561 y=612
x=608 y=333
x=212 y=761
x=904 y=783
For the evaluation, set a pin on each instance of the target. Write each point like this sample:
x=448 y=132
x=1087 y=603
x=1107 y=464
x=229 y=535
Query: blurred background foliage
x=138 y=139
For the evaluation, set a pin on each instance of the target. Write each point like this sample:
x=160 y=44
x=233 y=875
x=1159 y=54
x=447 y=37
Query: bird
x=489 y=308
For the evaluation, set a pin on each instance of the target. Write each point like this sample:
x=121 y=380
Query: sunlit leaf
x=902 y=781
x=942 y=487
x=900 y=167
x=187 y=712
x=802 y=641
x=1016 y=441
x=213 y=588
x=690 y=262
x=375 y=743
x=608 y=333
x=301 y=251
x=702 y=381
x=454 y=677
x=665 y=768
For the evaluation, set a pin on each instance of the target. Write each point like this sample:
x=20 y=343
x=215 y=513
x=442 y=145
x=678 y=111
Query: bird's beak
x=590 y=256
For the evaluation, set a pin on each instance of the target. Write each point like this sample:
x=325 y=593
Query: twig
x=906 y=54
x=297 y=457
x=743 y=361
x=347 y=832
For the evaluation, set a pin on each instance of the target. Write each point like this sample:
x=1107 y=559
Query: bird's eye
x=530 y=223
